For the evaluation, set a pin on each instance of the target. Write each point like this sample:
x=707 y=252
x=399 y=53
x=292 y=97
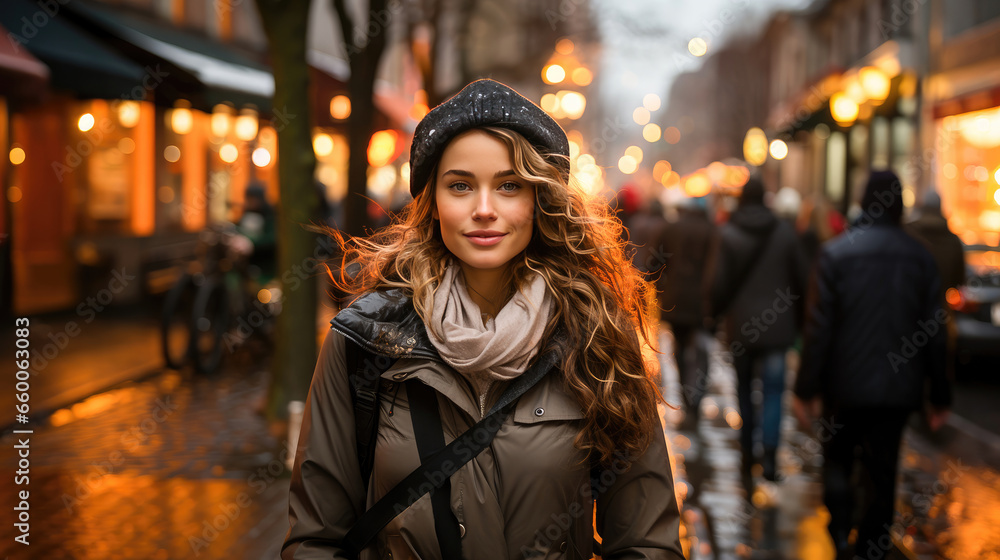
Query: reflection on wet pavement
x=183 y=467
x=948 y=503
x=168 y=468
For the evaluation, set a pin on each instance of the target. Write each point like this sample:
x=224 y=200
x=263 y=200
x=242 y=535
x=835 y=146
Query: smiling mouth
x=485 y=238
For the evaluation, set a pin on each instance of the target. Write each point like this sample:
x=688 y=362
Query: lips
x=485 y=238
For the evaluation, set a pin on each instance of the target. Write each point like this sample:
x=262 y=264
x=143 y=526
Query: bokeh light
x=697 y=46
x=172 y=153
x=582 y=76
x=635 y=152
x=671 y=135
x=323 y=144
x=340 y=107
x=128 y=113
x=651 y=132
x=755 y=147
x=85 y=122
x=660 y=169
x=382 y=147
x=778 y=149
x=126 y=145
x=843 y=108
x=246 y=126
x=553 y=74
x=627 y=165
x=222 y=120
x=228 y=153
x=261 y=157
x=565 y=46
x=651 y=101
x=640 y=115
x=181 y=120
x=16 y=155
x=572 y=103
x=697 y=185
x=165 y=194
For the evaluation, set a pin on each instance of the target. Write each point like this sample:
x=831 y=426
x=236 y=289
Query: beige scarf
x=499 y=350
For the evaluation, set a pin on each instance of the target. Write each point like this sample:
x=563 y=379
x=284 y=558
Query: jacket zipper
x=482 y=400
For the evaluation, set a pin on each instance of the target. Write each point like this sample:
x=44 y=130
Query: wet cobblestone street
x=172 y=467
x=181 y=466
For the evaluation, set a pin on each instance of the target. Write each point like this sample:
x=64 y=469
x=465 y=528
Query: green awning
x=78 y=61
x=203 y=71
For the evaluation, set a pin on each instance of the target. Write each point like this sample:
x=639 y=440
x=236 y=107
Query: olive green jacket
x=528 y=495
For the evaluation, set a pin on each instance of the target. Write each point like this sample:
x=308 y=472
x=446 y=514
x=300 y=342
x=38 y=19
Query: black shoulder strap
x=365 y=369
x=429 y=436
x=438 y=467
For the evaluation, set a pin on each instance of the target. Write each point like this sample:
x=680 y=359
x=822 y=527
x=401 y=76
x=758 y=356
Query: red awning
x=21 y=75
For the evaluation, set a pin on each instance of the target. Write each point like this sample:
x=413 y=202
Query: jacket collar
x=384 y=322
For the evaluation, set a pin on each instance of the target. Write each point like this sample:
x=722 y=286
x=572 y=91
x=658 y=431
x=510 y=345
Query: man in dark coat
x=931 y=228
x=682 y=249
x=758 y=283
x=874 y=336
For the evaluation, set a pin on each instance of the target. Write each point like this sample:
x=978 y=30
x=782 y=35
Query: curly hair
x=576 y=246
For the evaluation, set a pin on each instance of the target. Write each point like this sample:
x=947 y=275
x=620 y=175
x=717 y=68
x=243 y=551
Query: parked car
x=977 y=305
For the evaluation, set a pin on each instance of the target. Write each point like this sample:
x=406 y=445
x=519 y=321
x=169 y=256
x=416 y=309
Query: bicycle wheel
x=210 y=322
x=176 y=337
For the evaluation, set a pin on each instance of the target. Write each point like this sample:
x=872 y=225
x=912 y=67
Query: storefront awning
x=78 y=61
x=22 y=76
x=222 y=74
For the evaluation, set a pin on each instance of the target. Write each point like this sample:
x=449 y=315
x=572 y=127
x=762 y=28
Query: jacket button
x=539 y=411
x=461 y=530
x=562 y=546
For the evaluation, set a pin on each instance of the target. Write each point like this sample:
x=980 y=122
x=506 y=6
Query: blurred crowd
x=858 y=302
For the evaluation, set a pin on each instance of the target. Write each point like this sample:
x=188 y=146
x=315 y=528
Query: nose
x=484 y=206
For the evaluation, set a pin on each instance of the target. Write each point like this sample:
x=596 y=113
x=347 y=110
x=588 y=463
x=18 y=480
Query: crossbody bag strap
x=365 y=370
x=439 y=466
x=429 y=436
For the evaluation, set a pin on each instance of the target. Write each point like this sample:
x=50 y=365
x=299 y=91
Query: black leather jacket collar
x=384 y=322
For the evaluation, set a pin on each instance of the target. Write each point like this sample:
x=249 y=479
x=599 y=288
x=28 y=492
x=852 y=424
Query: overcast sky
x=645 y=41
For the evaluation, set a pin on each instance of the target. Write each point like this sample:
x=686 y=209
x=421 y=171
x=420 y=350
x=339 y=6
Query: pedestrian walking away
x=758 y=283
x=494 y=353
x=684 y=246
x=873 y=348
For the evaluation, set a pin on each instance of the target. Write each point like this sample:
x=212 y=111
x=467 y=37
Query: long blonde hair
x=599 y=296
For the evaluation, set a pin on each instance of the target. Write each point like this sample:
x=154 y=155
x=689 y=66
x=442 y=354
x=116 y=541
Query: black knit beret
x=483 y=103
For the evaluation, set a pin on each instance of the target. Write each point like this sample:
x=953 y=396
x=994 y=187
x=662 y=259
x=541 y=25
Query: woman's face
x=485 y=210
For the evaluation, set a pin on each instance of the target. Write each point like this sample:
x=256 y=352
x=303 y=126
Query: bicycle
x=213 y=294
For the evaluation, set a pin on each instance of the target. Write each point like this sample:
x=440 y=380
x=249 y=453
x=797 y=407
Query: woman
x=497 y=270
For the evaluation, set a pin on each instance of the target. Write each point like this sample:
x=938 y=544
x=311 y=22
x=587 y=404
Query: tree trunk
x=285 y=23
x=364 y=51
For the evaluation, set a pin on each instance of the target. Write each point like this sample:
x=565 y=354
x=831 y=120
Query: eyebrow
x=464 y=173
